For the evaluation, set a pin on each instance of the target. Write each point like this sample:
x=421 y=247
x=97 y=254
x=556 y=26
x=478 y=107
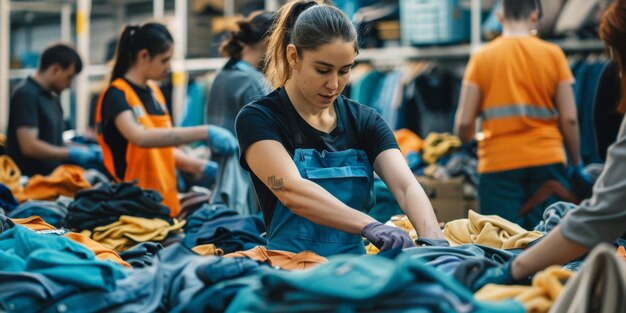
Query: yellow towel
x=546 y=288
x=129 y=230
x=437 y=145
x=488 y=230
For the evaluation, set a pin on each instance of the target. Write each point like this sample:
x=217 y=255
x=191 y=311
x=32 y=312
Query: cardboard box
x=450 y=189
x=448 y=198
x=453 y=209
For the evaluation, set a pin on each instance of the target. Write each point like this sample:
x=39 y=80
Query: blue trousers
x=504 y=193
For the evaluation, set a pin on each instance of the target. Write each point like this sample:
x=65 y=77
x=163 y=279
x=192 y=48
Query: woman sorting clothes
x=134 y=128
x=312 y=153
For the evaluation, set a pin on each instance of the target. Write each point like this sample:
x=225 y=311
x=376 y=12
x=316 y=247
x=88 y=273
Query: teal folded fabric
x=364 y=284
x=57 y=258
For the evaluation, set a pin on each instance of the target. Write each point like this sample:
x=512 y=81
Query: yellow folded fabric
x=546 y=288
x=66 y=180
x=283 y=259
x=371 y=249
x=10 y=175
x=437 y=145
x=130 y=230
x=208 y=249
x=488 y=230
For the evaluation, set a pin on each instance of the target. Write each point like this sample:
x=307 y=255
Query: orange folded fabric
x=36 y=223
x=283 y=259
x=10 y=174
x=408 y=141
x=33 y=222
x=101 y=252
x=66 y=180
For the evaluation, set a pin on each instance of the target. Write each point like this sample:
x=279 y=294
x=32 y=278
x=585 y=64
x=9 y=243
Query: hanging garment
x=546 y=287
x=152 y=168
x=66 y=180
x=488 y=230
x=283 y=259
x=599 y=286
x=233 y=186
x=347 y=175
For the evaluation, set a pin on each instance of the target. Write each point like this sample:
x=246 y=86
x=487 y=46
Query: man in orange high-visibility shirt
x=521 y=87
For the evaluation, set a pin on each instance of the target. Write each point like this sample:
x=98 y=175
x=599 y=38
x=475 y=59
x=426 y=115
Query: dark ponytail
x=307 y=25
x=250 y=32
x=153 y=37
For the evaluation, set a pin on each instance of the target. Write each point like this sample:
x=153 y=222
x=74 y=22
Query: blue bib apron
x=346 y=174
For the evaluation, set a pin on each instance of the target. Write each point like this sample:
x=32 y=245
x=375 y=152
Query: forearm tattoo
x=275 y=183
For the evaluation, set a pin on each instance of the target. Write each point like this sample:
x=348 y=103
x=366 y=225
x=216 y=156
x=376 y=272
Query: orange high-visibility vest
x=153 y=168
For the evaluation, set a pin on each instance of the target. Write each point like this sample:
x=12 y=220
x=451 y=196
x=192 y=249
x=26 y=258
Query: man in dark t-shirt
x=36 y=126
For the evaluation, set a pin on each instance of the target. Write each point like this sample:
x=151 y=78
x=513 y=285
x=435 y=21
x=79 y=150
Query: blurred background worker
x=36 y=125
x=134 y=127
x=241 y=80
x=521 y=87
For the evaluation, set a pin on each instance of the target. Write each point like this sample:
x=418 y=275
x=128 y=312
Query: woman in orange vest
x=134 y=127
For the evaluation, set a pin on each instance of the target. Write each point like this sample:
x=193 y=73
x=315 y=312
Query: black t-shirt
x=114 y=103
x=268 y=119
x=33 y=106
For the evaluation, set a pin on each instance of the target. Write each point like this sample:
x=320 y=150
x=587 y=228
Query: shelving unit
x=181 y=66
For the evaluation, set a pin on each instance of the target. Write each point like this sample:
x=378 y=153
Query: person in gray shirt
x=240 y=81
x=601 y=218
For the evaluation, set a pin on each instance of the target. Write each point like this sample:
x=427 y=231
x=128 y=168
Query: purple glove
x=386 y=237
